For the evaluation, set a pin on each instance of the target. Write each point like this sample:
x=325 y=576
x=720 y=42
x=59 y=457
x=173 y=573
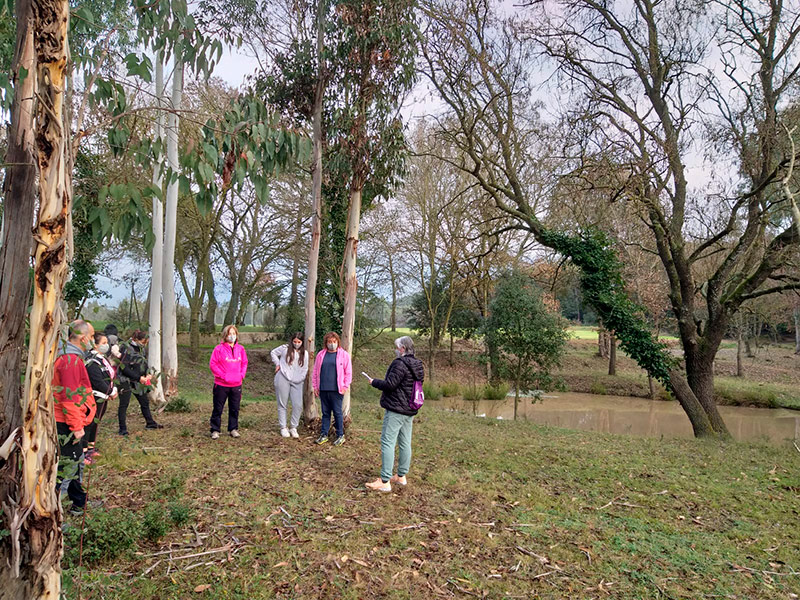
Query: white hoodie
x=293 y=372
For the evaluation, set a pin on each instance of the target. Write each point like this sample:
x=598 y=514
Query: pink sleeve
x=315 y=372
x=213 y=364
x=244 y=362
x=348 y=370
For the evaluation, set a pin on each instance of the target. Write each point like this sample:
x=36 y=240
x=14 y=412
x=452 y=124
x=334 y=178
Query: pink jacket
x=228 y=364
x=344 y=370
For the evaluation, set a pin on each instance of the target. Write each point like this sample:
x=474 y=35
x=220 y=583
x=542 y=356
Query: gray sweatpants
x=285 y=390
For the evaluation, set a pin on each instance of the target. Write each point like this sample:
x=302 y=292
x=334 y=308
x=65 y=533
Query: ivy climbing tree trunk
x=157 y=261
x=18 y=208
x=35 y=528
x=169 y=307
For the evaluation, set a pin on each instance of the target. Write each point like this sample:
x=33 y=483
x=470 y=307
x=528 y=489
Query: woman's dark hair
x=111 y=329
x=139 y=335
x=300 y=351
x=99 y=335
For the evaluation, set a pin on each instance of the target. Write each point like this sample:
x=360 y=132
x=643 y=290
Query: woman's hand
x=316 y=392
x=277 y=368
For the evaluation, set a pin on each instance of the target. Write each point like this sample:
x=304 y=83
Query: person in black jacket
x=101 y=374
x=398 y=420
x=134 y=378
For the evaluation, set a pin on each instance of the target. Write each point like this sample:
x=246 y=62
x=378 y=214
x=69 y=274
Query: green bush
x=154 y=522
x=598 y=388
x=178 y=405
x=431 y=391
x=108 y=534
x=495 y=392
x=171 y=486
x=472 y=393
x=450 y=389
x=180 y=513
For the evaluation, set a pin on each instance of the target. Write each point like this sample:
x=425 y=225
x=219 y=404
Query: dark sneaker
x=122 y=432
x=321 y=439
x=75 y=511
x=154 y=425
x=339 y=441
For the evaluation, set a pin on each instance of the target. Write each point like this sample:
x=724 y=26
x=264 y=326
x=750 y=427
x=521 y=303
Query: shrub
x=179 y=405
x=154 y=522
x=495 y=392
x=598 y=388
x=172 y=486
x=472 y=393
x=450 y=389
x=180 y=513
x=108 y=534
x=432 y=392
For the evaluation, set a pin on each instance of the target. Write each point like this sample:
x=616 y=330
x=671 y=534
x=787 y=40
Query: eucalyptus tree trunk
x=211 y=311
x=350 y=282
x=35 y=527
x=19 y=199
x=157 y=262
x=18 y=208
x=169 y=312
x=310 y=417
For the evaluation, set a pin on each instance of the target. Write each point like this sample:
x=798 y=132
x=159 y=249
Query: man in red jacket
x=74 y=407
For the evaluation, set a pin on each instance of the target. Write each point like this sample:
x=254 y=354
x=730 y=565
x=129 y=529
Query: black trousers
x=91 y=429
x=124 y=400
x=233 y=395
x=70 y=465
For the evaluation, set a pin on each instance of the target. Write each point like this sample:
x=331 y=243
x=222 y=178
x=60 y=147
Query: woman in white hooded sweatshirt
x=291 y=367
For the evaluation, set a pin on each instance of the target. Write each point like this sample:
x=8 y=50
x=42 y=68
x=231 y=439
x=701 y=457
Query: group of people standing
x=331 y=378
x=91 y=369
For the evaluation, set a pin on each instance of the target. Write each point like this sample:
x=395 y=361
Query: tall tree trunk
x=36 y=525
x=211 y=310
x=796 y=329
x=19 y=200
x=157 y=261
x=612 y=354
x=350 y=283
x=310 y=417
x=452 y=344
x=393 y=278
x=701 y=424
x=700 y=376
x=292 y=310
x=431 y=357
x=170 y=310
x=739 y=367
x=233 y=304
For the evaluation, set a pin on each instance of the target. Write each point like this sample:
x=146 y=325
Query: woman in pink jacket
x=331 y=378
x=229 y=365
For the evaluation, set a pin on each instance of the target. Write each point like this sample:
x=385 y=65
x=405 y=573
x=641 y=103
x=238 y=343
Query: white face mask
x=231 y=338
x=297 y=345
x=398 y=352
x=332 y=347
x=103 y=348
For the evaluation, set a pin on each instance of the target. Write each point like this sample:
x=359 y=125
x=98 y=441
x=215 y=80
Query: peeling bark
x=350 y=283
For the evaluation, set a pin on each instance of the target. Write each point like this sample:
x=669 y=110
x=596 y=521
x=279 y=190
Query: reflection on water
x=635 y=416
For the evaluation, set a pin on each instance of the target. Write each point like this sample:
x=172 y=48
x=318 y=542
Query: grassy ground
x=492 y=510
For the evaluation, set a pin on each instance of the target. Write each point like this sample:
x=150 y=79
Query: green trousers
x=396 y=432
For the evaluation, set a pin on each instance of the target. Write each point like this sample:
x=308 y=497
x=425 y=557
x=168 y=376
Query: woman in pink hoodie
x=229 y=365
x=331 y=378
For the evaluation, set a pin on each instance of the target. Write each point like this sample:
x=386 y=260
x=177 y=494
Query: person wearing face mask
x=229 y=365
x=101 y=375
x=331 y=378
x=134 y=379
x=398 y=420
x=114 y=355
x=74 y=407
x=291 y=366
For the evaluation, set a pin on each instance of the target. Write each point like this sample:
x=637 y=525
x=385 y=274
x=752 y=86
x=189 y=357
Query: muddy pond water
x=633 y=416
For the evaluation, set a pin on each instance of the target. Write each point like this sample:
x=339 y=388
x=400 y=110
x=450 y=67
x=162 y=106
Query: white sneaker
x=284 y=432
x=235 y=433
x=293 y=432
x=215 y=435
x=379 y=486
